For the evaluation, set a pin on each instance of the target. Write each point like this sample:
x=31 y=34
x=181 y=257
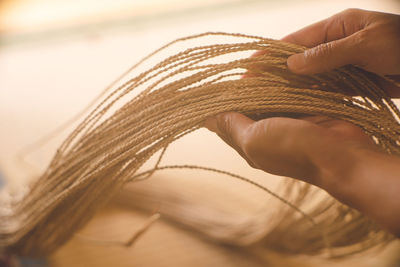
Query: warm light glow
x=36 y=15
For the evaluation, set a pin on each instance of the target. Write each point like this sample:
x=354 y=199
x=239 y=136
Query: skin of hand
x=334 y=155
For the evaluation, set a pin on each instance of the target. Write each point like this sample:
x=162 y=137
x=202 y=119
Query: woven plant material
x=173 y=98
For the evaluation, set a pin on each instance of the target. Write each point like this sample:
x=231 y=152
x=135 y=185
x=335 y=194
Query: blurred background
x=57 y=55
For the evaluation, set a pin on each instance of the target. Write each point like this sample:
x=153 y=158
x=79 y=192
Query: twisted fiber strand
x=251 y=233
x=172 y=99
x=247 y=180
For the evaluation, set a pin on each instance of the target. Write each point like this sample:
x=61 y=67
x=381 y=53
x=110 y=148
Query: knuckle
x=225 y=125
x=249 y=144
x=255 y=139
x=362 y=38
x=362 y=44
x=350 y=11
x=321 y=50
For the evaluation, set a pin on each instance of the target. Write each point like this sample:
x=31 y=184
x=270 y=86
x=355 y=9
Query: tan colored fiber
x=173 y=98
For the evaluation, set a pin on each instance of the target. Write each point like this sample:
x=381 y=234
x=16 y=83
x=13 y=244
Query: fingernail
x=296 y=62
x=211 y=124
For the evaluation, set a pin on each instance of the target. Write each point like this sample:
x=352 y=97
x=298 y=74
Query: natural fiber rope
x=176 y=95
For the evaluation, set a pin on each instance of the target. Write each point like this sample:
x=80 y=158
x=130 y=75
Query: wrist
x=366 y=179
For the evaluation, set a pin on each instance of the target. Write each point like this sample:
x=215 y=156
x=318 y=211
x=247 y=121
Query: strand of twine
x=147 y=174
x=172 y=99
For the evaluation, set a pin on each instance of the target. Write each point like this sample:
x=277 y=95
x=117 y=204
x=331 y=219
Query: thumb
x=277 y=145
x=231 y=127
x=327 y=56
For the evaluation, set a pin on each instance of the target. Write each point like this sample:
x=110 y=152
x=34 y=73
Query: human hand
x=334 y=155
x=300 y=148
x=370 y=40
